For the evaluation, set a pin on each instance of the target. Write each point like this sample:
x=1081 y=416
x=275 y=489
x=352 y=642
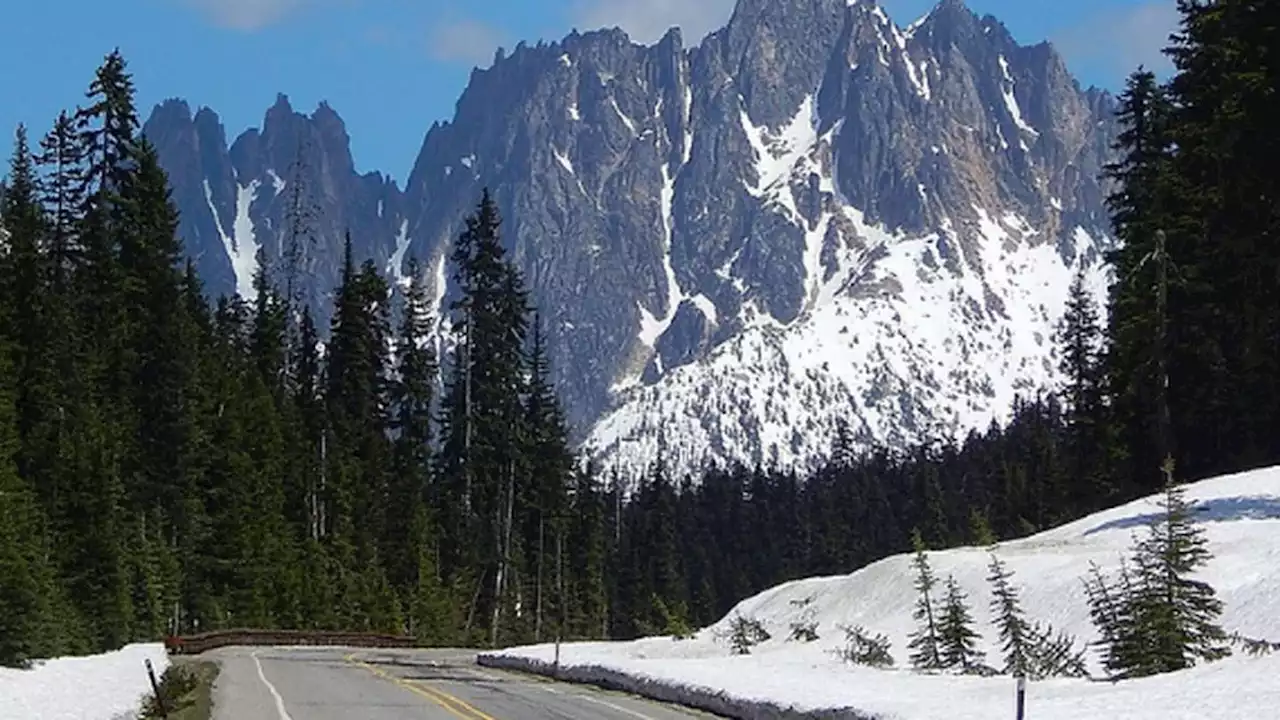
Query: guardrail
x=202 y=642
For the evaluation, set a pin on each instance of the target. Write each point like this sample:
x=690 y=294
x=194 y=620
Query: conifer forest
x=172 y=463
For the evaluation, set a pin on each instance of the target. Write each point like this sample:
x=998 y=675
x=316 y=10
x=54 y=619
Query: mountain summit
x=813 y=217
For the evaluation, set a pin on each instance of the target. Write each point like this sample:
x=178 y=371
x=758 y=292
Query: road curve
x=308 y=683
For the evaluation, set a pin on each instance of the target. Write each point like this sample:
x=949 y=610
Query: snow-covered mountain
x=1241 y=518
x=813 y=214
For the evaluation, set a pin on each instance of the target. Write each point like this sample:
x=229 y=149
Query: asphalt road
x=272 y=683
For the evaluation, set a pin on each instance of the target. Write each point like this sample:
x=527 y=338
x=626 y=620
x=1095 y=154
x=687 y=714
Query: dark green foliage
x=1031 y=651
x=195 y=468
x=1089 y=439
x=745 y=633
x=1054 y=654
x=1014 y=631
x=1193 y=359
x=957 y=640
x=924 y=642
x=863 y=649
x=1160 y=618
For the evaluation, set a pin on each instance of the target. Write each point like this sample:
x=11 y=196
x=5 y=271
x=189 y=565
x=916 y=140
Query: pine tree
x=1079 y=338
x=30 y=593
x=925 y=642
x=411 y=395
x=1014 y=631
x=550 y=468
x=1140 y=209
x=1164 y=619
x=957 y=640
x=482 y=423
x=62 y=193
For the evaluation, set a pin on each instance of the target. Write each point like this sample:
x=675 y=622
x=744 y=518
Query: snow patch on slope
x=905 y=341
x=1241 y=518
x=395 y=266
x=241 y=243
x=95 y=687
x=1011 y=102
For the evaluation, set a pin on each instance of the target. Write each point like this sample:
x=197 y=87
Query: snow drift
x=1241 y=517
x=110 y=686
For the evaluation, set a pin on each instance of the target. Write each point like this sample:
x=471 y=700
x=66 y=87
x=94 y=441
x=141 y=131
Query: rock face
x=293 y=179
x=813 y=216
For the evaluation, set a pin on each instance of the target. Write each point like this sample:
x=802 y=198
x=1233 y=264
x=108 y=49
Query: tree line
x=170 y=465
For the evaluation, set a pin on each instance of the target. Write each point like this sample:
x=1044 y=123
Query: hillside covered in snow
x=1241 y=518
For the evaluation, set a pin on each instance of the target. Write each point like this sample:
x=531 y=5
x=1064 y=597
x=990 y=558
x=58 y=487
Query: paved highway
x=273 y=683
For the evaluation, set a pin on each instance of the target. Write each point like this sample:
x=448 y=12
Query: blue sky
x=392 y=67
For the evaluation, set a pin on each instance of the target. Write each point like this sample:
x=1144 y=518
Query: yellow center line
x=453 y=705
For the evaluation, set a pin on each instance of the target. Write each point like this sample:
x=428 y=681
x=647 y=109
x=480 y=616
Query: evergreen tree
x=1164 y=619
x=926 y=643
x=1140 y=212
x=545 y=494
x=1014 y=631
x=957 y=640
x=482 y=423
x=412 y=396
x=1080 y=338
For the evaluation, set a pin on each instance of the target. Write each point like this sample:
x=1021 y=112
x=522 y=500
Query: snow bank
x=1240 y=515
x=665 y=689
x=110 y=686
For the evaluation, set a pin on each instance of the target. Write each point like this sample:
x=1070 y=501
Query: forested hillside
x=168 y=466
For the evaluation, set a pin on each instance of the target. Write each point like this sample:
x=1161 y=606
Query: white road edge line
x=284 y=714
x=619 y=708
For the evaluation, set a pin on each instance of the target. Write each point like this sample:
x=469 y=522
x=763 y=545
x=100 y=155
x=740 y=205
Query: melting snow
x=563 y=160
x=276 y=182
x=241 y=244
x=95 y=687
x=951 y=346
x=778 y=153
x=1241 y=518
x=631 y=125
x=1011 y=102
x=651 y=326
x=395 y=267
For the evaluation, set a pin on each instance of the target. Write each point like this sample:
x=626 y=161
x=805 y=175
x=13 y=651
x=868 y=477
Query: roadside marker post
x=1022 y=697
x=155 y=687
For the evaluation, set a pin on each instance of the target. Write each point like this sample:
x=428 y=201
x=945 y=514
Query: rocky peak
x=813 y=214
x=238 y=199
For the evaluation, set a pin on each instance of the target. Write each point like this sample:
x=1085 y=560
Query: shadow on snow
x=1216 y=510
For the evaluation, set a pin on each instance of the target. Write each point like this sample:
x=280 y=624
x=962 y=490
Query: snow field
x=1240 y=514
x=110 y=686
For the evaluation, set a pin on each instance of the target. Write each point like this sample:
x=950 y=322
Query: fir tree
x=1164 y=619
x=411 y=396
x=957 y=640
x=1080 y=338
x=926 y=642
x=1015 y=633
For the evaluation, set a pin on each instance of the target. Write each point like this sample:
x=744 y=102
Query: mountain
x=293 y=176
x=812 y=216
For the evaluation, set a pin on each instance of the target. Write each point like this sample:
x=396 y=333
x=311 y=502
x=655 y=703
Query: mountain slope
x=1241 y=518
x=814 y=214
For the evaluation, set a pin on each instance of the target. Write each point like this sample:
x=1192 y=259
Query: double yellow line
x=453 y=705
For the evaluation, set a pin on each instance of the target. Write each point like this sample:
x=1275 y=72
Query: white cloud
x=246 y=15
x=468 y=41
x=648 y=20
x=1116 y=42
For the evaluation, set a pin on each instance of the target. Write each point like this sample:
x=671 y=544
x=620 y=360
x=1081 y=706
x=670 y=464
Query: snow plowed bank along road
x=277 y=683
x=1240 y=516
